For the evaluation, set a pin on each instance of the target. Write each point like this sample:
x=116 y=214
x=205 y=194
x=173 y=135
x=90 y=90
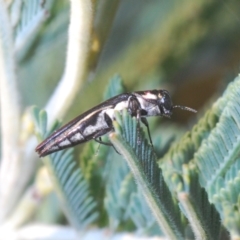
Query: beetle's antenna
x=185 y=108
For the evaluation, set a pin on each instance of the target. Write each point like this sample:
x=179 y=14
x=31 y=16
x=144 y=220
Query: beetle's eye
x=165 y=103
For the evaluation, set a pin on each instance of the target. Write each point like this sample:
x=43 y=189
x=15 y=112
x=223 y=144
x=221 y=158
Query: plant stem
x=78 y=48
x=196 y=223
x=171 y=231
x=10 y=117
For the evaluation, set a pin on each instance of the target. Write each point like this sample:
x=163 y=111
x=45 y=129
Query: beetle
x=98 y=121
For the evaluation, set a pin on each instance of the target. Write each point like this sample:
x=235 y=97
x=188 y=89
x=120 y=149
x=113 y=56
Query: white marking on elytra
x=122 y=105
x=66 y=142
x=76 y=137
x=119 y=107
x=90 y=115
x=99 y=125
x=54 y=147
x=110 y=113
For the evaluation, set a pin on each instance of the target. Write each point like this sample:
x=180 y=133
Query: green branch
x=142 y=162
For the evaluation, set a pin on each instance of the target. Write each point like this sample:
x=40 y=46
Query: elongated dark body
x=97 y=121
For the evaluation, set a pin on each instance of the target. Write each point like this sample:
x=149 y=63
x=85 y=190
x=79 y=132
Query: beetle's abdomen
x=74 y=133
x=66 y=139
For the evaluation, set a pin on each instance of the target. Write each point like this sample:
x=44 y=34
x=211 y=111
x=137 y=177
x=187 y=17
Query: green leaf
x=115 y=87
x=202 y=216
x=119 y=188
x=225 y=195
x=218 y=157
x=72 y=189
x=182 y=178
x=141 y=215
x=142 y=162
x=43 y=121
x=35 y=114
x=28 y=16
x=213 y=145
x=221 y=149
x=69 y=182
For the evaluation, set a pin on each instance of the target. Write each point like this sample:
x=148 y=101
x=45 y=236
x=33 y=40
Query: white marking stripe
x=122 y=105
x=76 y=137
x=66 y=142
x=53 y=147
x=110 y=113
x=119 y=107
x=77 y=124
x=100 y=124
x=149 y=95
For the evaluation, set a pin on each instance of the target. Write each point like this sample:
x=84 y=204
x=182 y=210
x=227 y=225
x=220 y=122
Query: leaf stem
x=10 y=117
x=158 y=211
x=78 y=48
x=190 y=210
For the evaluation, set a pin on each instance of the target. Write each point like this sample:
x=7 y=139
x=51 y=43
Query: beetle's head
x=165 y=104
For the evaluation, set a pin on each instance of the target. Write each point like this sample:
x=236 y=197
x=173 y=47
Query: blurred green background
x=189 y=47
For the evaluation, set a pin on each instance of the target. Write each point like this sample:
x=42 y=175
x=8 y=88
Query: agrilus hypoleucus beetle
x=98 y=121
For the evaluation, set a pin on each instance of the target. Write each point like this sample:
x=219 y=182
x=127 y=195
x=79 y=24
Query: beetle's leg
x=138 y=127
x=99 y=140
x=96 y=153
x=145 y=122
x=134 y=108
x=97 y=136
x=106 y=143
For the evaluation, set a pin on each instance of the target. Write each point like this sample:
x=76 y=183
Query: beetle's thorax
x=149 y=102
x=118 y=107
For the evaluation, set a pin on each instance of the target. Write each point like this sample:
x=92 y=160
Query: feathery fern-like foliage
x=27 y=17
x=69 y=182
x=182 y=178
x=142 y=162
x=141 y=214
x=118 y=191
x=205 y=160
x=218 y=160
x=124 y=202
x=193 y=201
x=114 y=87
